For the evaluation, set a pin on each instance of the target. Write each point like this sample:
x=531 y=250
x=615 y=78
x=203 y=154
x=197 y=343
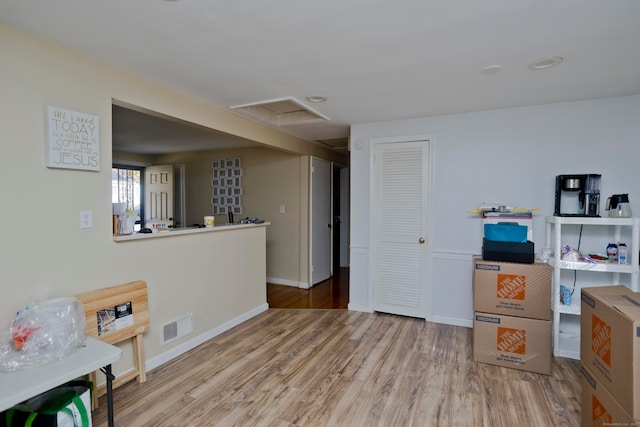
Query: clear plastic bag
x=45 y=332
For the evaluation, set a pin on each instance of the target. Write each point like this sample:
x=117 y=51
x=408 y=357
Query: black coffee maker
x=577 y=195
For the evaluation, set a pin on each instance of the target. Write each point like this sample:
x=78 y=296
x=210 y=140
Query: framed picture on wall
x=72 y=139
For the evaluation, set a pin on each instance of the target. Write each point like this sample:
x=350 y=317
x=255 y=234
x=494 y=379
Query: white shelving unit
x=567 y=344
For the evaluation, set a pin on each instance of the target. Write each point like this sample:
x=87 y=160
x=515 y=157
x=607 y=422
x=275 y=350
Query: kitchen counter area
x=183 y=231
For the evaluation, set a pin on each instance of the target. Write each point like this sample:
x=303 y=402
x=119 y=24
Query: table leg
x=110 y=377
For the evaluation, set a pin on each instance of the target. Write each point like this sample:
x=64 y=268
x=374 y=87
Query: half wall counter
x=184 y=231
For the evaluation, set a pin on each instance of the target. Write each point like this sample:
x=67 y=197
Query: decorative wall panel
x=226 y=186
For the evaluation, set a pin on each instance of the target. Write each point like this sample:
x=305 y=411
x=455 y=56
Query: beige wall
x=270 y=178
x=45 y=254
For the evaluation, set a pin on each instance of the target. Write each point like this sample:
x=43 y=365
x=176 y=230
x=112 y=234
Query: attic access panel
x=280 y=112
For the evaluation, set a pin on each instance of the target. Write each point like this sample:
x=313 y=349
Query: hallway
x=333 y=293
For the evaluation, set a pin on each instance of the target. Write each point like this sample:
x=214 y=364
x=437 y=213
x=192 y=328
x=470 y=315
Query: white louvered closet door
x=400 y=209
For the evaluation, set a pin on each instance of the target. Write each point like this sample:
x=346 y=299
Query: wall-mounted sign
x=73 y=139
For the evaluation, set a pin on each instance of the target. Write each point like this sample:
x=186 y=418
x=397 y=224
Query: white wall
x=509 y=155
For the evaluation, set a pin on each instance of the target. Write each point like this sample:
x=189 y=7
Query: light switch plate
x=86 y=219
x=283 y=209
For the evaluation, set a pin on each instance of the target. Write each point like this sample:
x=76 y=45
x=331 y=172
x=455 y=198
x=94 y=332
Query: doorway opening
x=332 y=293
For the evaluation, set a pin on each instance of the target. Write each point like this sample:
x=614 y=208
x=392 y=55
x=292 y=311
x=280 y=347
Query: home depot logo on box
x=512 y=340
x=599 y=414
x=601 y=339
x=511 y=286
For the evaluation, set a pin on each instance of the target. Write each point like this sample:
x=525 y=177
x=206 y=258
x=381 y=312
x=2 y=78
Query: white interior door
x=400 y=222
x=158 y=181
x=321 y=220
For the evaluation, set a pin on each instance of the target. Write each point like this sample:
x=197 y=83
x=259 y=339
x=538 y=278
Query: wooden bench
x=114 y=315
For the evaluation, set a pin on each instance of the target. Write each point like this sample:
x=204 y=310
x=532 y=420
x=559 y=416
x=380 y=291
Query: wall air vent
x=280 y=112
x=178 y=328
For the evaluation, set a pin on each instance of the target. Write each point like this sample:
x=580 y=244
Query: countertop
x=183 y=231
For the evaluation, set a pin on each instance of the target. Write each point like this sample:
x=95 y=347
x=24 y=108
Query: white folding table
x=18 y=386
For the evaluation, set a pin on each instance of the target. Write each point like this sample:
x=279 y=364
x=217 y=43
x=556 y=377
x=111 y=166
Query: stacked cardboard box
x=512 y=322
x=610 y=355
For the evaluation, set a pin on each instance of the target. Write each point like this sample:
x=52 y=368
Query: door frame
x=179 y=180
x=345 y=207
x=373 y=143
x=311 y=221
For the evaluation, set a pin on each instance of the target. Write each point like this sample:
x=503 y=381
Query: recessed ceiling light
x=491 y=69
x=546 y=62
x=316 y=98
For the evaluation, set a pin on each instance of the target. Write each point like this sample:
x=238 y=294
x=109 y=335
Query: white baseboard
x=453 y=321
x=196 y=341
x=285 y=282
x=357 y=307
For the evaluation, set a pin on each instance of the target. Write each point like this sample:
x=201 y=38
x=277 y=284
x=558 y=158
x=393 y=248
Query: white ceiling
x=374 y=60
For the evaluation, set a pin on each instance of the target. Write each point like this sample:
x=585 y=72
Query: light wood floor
x=290 y=367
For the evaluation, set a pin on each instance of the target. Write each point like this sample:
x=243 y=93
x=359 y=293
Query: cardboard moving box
x=610 y=341
x=513 y=289
x=513 y=342
x=599 y=408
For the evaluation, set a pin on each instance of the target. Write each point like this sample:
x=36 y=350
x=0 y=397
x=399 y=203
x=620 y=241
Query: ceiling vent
x=280 y=112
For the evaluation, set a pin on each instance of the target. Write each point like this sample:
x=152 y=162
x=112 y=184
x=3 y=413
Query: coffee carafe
x=618 y=206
